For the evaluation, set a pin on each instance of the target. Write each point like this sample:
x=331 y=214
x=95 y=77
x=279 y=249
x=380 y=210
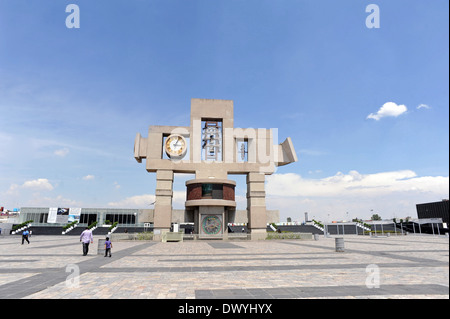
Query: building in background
x=126 y=217
x=434 y=210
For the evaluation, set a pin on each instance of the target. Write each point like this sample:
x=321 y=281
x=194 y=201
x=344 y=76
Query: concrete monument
x=212 y=149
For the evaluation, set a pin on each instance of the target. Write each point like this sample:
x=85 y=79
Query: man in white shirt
x=86 y=237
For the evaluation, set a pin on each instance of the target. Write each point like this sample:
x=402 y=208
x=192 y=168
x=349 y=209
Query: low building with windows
x=42 y=216
x=127 y=218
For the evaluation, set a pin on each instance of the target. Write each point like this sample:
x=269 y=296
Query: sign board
x=63 y=215
x=74 y=214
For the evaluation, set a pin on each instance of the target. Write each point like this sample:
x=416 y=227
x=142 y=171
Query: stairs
x=20 y=230
x=364 y=228
x=318 y=227
x=300 y=229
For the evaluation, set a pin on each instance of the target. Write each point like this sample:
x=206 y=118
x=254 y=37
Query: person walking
x=108 y=246
x=86 y=238
x=25 y=234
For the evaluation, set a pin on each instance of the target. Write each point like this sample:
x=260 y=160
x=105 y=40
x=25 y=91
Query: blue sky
x=72 y=100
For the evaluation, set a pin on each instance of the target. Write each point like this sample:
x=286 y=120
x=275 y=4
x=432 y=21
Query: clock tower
x=212 y=149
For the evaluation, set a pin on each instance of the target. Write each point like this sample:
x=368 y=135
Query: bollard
x=101 y=247
x=339 y=244
x=316 y=236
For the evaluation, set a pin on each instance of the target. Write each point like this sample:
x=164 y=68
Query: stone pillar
x=256 y=205
x=163 y=203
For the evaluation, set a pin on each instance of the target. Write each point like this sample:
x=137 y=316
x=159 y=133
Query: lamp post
x=326 y=226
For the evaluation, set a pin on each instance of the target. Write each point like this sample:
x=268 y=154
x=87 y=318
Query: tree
x=375 y=217
x=289 y=219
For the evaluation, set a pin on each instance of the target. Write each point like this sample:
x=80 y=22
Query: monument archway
x=212 y=149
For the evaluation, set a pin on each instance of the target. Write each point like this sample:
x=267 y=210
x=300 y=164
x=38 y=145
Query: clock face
x=211 y=225
x=175 y=146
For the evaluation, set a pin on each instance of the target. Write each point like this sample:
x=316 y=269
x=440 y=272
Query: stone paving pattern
x=409 y=267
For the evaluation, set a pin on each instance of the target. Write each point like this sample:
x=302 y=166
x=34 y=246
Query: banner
x=52 y=212
x=58 y=215
x=74 y=214
x=62 y=216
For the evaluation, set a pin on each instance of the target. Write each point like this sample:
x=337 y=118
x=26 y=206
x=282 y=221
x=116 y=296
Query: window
x=214 y=191
x=207 y=190
x=88 y=218
x=242 y=150
x=43 y=218
x=121 y=218
x=211 y=140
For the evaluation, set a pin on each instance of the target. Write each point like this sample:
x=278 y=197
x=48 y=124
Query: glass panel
x=211 y=140
x=217 y=191
x=207 y=190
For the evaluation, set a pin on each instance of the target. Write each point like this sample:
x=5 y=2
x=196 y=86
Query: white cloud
x=354 y=183
x=241 y=201
x=388 y=193
x=38 y=184
x=179 y=199
x=144 y=201
x=61 y=152
x=138 y=201
x=34 y=193
x=13 y=190
x=54 y=201
x=388 y=109
x=28 y=193
x=423 y=106
x=88 y=177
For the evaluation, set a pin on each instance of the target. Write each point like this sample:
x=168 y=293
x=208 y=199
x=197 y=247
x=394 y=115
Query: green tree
x=376 y=217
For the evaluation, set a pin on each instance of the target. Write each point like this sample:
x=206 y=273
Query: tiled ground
x=399 y=267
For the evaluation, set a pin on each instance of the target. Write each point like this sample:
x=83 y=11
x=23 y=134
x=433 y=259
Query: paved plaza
x=384 y=267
